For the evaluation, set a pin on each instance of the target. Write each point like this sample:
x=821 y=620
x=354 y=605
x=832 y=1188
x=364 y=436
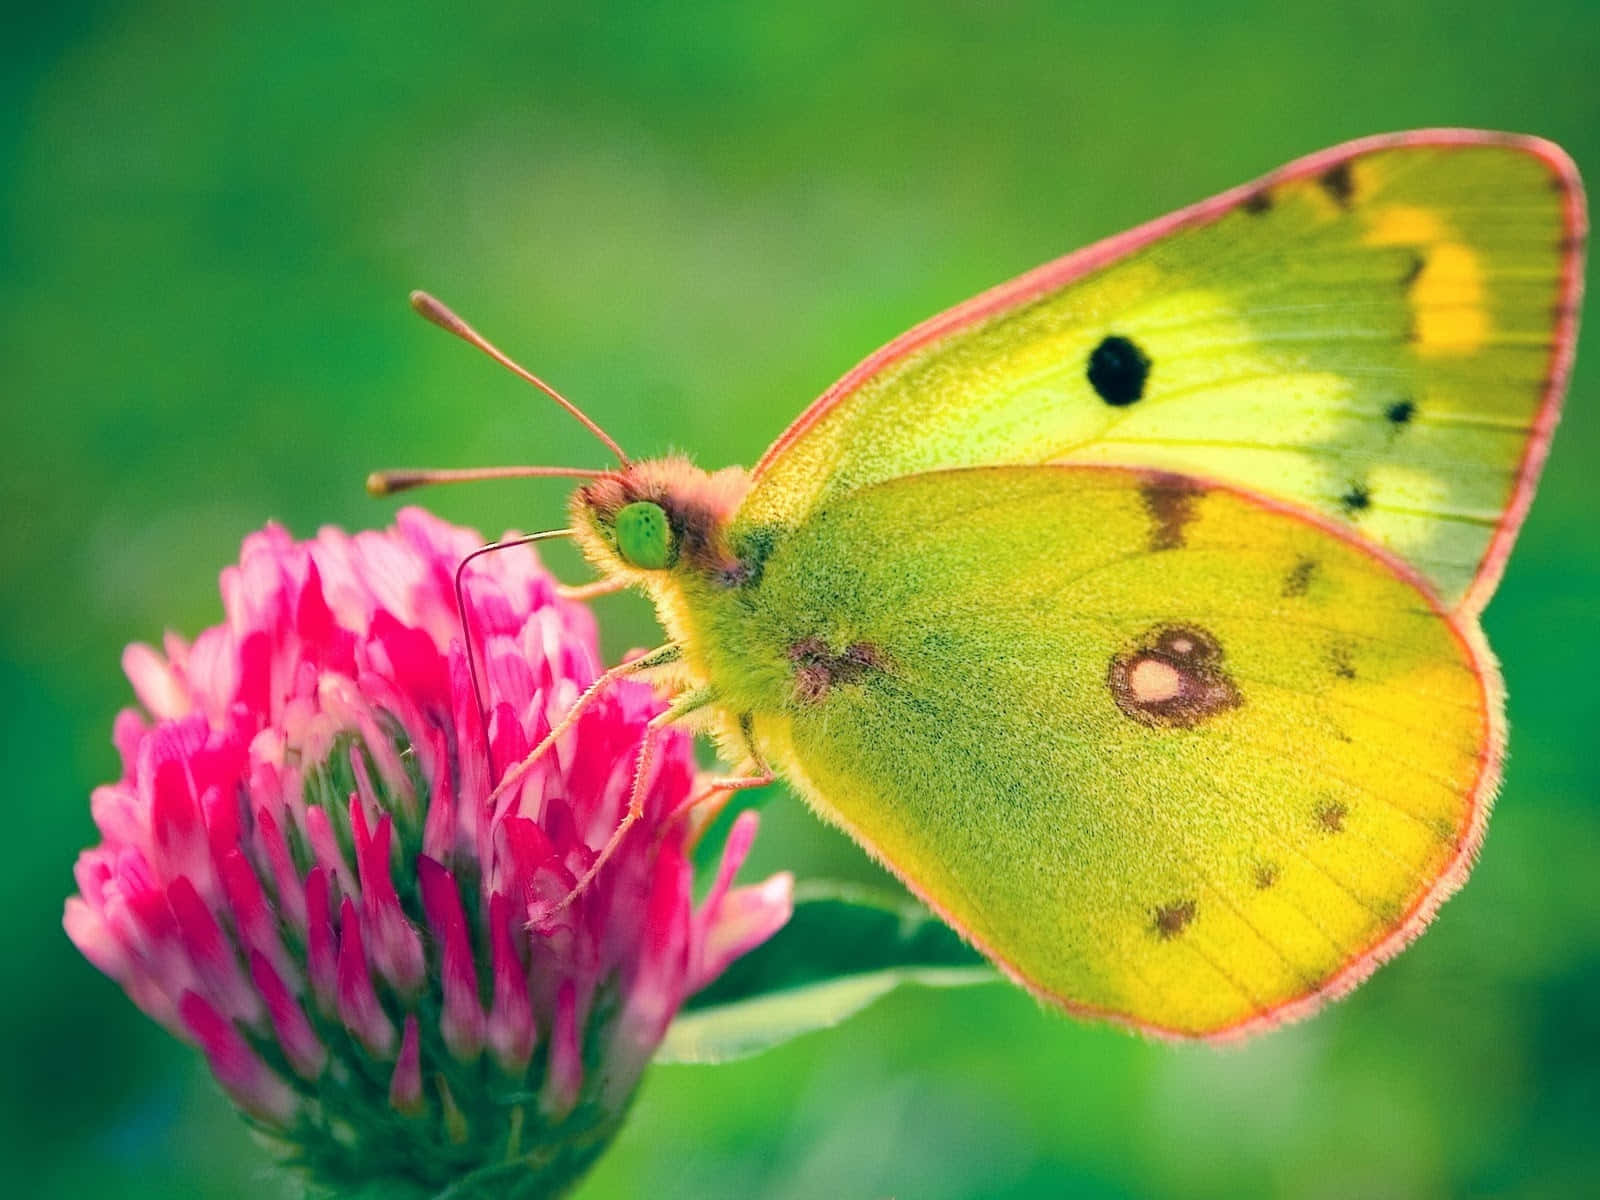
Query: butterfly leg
x=661 y=657
x=588 y=591
x=707 y=804
x=680 y=708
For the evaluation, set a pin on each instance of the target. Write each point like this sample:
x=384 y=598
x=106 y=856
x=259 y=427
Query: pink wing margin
x=1062 y=271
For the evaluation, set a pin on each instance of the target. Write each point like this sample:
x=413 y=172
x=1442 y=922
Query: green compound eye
x=644 y=538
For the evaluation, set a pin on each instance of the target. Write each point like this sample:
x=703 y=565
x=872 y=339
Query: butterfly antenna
x=387 y=483
x=436 y=311
x=466 y=628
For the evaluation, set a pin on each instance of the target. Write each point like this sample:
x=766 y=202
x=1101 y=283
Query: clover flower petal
x=305 y=870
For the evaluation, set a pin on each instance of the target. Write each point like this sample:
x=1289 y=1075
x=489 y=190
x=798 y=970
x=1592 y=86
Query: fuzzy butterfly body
x=1128 y=612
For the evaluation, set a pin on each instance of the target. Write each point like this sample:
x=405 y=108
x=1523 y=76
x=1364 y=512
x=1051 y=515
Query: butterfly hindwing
x=1380 y=334
x=1196 y=771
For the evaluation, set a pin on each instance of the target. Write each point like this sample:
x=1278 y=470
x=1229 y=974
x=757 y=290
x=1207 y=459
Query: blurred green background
x=691 y=218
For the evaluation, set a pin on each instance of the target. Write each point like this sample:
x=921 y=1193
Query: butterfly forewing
x=1379 y=333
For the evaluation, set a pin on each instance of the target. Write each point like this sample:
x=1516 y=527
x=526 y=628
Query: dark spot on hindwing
x=1266 y=874
x=811 y=675
x=817 y=670
x=1172 y=919
x=1340 y=184
x=1298 y=581
x=1342 y=658
x=1172 y=678
x=1330 y=816
x=1400 y=413
x=1118 y=370
x=1357 y=499
x=1170 y=500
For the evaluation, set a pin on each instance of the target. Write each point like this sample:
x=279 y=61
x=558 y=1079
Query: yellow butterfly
x=1128 y=612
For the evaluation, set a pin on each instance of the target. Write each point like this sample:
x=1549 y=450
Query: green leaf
x=844 y=947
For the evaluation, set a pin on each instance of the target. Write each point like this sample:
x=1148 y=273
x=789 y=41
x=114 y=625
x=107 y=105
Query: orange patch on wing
x=1447 y=297
x=1404 y=225
x=1448 y=302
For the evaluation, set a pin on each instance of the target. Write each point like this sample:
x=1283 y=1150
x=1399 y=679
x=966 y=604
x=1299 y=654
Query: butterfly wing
x=1195 y=772
x=1380 y=333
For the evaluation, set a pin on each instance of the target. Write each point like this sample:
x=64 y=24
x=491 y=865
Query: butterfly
x=1128 y=612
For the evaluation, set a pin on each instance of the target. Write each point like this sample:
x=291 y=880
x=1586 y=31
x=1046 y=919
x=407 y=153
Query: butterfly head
x=664 y=515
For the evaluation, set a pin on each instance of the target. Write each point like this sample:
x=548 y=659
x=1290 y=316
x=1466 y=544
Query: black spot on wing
x=1298 y=581
x=1258 y=203
x=1118 y=370
x=1342 y=659
x=1357 y=500
x=1399 y=413
x=1340 y=184
x=1170 y=501
x=1172 y=919
x=1330 y=816
x=818 y=670
x=1408 y=279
